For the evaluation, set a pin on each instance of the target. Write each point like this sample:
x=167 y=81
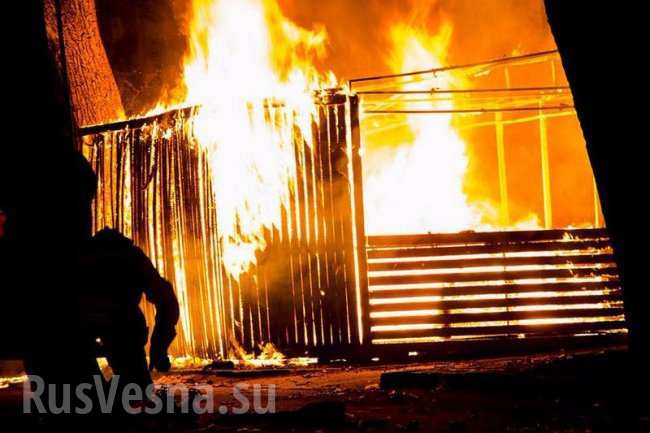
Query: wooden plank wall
x=154 y=187
x=307 y=289
x=435 y=288
x=304 y=291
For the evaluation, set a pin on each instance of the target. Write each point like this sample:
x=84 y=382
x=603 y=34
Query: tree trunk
x=583 y=32
x=94 y=94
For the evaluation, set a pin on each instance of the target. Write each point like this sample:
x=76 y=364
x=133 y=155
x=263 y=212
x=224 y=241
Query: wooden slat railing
x=445 y=287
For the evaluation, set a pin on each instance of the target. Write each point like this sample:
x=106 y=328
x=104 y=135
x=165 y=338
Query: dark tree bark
x=598 y=52
x=94 y=93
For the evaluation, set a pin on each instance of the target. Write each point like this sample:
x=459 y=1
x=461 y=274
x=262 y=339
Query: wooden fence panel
x=303 y=291
x=473 y=286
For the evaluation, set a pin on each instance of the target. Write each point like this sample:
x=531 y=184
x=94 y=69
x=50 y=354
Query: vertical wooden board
x=217 y=289
x=211 y=315
x=150 y=217
x=299 y=243
x=332 y=246
x=144 y=186
x=112 y=181
x=115 y=177
x=244 y=291
x=238 y=309
x=276 y=310
x=107 y=174
x=276 y=282
x=353 y=127
x=90 y=151
x=345 y=218
x=277 y=294
x=265 y=321
x=121 y=176
x=247 y=300
x=311 y=247
x=99 y=171
x=339 y=201
x=261 y=306
x=164 y=190
x=257 y=307
x=189 y=238
x=231 y=306
x=292 y=246
x=318 y=137
x=188 y=243
x=320 y=222
x=136 y=189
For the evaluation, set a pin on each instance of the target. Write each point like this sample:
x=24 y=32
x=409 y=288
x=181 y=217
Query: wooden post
x=597 y=221
x=546 y=176
x=342 y=216
x=328 y=125
x=332 y=293
x=310 y=243
x=358 y=219
x=345 y=215
x=504 y=212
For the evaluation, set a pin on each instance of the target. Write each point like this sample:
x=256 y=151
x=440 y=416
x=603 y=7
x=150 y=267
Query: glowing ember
x=184 y=362
x=269 y=356
x=6 y=382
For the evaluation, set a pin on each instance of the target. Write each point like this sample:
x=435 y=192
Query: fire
x=269 y=356
x=422 y=171
x=419 y=168
x=6 y=382
x=250 y=69
x=251 y=72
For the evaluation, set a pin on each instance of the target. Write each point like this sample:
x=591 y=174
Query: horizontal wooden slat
x=555 y=329
x=491 y=276
x=492 y=261
x=483 y=237
x=590 y=249
x=446 y=304
x=568 y=286
x=498 y=316
x=488 y=249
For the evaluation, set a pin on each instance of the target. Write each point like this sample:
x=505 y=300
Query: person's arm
x=160 y=293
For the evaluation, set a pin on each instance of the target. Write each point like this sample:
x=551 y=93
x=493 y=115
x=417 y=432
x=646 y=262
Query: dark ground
x=578 y=392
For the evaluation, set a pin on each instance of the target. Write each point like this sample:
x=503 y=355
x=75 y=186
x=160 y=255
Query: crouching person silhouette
x=116 y=274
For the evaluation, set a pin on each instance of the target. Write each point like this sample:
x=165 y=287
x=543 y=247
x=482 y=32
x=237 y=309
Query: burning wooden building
x=309 y=280
x=369 y=218
x=303 y=284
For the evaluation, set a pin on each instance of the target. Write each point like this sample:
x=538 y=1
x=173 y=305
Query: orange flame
x=419 y=169
x=250 y=69
x=429 y=162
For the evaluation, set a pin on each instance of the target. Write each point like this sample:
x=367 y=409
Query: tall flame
x=421 y=173
x=253 y=73
x=250 y=69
